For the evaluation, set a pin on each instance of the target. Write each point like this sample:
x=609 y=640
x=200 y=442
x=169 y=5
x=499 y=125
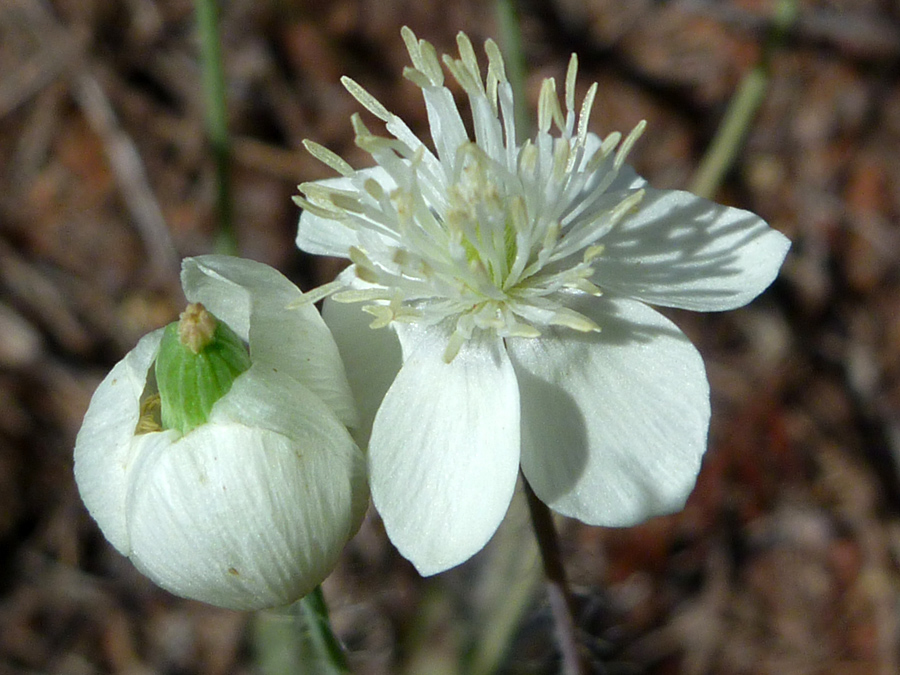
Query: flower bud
x=225 y=472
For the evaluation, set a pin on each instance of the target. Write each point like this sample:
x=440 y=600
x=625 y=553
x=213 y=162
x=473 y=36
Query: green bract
x=199 y=359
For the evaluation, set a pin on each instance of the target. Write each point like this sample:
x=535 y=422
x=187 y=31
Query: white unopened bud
x=250 y=506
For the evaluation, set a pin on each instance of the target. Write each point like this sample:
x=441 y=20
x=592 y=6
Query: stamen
x=454 y=344
x=574 y=320
x=609 y=143
x=585 y=114
x=382 y=313
x=528 y=157
x=431 y=64
x=417 y=77
x=487 y=233
x=560 y=159
x=373 y=187
x=593 y=252
x=548 y=106
x=365 y=268
x=366 y=100
x=591 y=229
x=518 y=329
x=468 y=58
x=348 y=202
x=571 y=74
x=361 y=295
x=328 y=158
x=496 y=72
x=424 y=58
x=321 y=210
x=627 y=144
x=322 y=192
x=623 y=207
x=586 y=286
x=345 y=201
x=316 y=294
x=471 y=85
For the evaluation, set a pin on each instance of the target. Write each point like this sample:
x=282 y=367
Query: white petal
x=253 y=298
x=371 y=356
x=103 y=452
x=444 y=453
x=447 y=128
x=323 y=236
x=252 y=509
x=614 y=424
x=679 y=250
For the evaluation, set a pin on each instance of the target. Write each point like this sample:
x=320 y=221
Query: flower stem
x=729 y=138
x=325 y=645
x=299 y=643
x=559 y=595
x=216 y=119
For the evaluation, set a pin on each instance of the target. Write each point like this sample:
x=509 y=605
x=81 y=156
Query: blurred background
x=786 y=558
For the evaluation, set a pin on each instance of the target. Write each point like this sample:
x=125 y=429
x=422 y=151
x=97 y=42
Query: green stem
x=300 y=642
x=216 y=119
x=731 y=133
x=509 y=580
x=558 y=593
x=322 y=638
x=562 y=605
x=729 y=138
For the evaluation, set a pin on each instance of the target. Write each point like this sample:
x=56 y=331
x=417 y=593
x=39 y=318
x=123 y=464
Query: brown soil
x=785 y=560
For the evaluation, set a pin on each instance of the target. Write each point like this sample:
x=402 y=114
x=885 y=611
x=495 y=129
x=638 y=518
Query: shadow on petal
x=561 y=435
x=613 y=423
x=684 y=251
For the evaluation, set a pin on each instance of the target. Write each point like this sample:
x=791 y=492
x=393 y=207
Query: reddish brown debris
x=785 y=560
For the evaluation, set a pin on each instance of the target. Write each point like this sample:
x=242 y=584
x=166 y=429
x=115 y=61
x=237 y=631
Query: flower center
x=479 y=233
x=479 y=220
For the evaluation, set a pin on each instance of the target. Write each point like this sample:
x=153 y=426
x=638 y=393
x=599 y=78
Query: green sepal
x=190 y=383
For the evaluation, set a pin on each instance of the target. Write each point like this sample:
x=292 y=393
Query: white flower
x=515 y=277
x=252 y=508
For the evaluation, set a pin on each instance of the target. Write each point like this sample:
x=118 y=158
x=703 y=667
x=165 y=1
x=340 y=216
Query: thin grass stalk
x=214 y=93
